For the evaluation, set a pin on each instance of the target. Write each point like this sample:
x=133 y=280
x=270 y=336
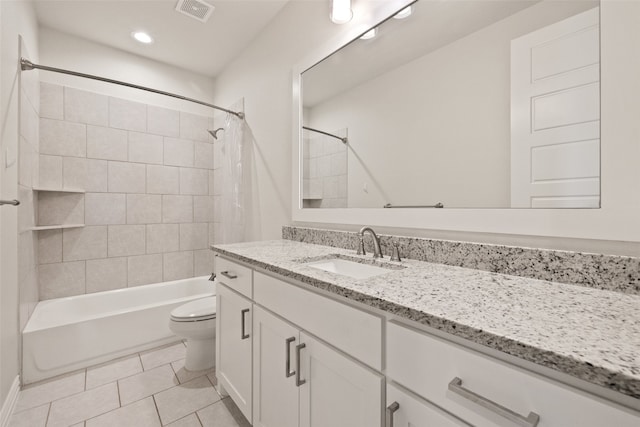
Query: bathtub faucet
x=213 y=277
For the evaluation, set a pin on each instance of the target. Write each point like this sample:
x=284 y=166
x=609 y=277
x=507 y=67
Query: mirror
x=461 y=104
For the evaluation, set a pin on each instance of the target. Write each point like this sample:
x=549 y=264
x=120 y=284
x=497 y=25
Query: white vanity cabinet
x=404 y=409
x=484 y=391
x=233 y=346
x=298 y=379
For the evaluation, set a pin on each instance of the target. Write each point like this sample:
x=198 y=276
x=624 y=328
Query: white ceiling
x=204 y=48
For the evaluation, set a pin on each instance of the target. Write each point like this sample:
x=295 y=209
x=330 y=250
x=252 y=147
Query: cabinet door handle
x=530 y=421
x=229 y=275
x=391 y=409
x=299 y=348
x=287 y=368
x=243 y=335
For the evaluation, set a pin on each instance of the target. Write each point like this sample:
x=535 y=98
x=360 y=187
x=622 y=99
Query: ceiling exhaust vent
x=196 y=9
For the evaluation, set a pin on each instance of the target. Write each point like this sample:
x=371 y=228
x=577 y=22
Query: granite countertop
x=588 y=333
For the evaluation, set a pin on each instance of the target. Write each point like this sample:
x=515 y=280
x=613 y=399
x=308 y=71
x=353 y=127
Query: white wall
x=262 y=74
x=18 y=18
x=443 y=129
x=65 y=51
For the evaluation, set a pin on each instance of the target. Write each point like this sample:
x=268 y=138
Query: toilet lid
x=200 y=309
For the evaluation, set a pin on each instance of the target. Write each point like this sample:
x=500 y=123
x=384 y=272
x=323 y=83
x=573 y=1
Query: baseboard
x=10 y=402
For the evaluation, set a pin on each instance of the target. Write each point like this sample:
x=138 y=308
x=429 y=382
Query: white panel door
x=233 y=347
x=337 y=391
x=555 y=115
x=275 y=399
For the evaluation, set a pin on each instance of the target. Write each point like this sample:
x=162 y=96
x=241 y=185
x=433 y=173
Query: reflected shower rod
x=27 y=65
x=344 y=140
x=437 y=206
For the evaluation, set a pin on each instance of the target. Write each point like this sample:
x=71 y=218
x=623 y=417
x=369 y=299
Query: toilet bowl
x=195 y=321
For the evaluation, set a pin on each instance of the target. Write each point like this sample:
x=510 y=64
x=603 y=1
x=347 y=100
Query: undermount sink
x=356 y=270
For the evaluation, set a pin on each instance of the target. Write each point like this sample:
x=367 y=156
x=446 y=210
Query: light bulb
x=404 y=13
x=341 y=12
x=370 y=34
x=142 y=37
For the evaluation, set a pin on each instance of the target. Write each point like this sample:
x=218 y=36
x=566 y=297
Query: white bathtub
x=71 y=333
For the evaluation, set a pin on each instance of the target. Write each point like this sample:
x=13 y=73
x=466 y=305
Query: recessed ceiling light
x=370 y=34
x=142 y=37
x=404 y=13
x=341 y=12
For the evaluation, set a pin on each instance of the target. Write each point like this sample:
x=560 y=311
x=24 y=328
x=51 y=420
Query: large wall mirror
x=459 y=104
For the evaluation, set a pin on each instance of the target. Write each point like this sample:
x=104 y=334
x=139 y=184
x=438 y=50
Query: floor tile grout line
x=119 y=398
x=198 y=418
x=157 y=410
x=48 y=413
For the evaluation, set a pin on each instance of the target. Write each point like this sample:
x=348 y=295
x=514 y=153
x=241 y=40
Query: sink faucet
x=377 y=252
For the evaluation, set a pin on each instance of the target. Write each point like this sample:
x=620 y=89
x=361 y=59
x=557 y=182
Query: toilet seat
x=195 y=311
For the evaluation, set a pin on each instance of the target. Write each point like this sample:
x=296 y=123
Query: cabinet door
x=275 y=400
x=406 y=410
x=337 y=391
x=233 y=347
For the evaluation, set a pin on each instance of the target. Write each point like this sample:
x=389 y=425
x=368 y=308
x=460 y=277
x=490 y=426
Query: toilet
x=195 y=321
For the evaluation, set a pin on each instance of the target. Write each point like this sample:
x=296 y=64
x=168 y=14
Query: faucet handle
x=395 y=256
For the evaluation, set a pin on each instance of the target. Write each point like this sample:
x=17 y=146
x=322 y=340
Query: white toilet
x=196 y=322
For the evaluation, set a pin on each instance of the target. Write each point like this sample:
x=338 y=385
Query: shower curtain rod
x=344 y=140
x=27 y=65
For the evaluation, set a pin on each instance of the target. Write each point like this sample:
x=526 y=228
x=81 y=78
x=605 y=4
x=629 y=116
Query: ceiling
x=204 y=48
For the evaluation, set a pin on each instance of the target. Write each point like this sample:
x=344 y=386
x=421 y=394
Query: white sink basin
x=344 y=267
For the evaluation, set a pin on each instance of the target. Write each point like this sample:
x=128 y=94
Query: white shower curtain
x=235 y=177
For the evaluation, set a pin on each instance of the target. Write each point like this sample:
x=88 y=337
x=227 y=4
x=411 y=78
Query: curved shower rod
x=27 y=65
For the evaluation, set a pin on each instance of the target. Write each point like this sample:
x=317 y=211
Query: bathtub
x=66 y=334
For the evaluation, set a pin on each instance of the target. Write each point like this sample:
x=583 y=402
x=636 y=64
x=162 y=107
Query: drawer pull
x=287 y=368
x=530 y=421
x=391 y=409
x=243 y=335
x=229 y=275
x=299 y=348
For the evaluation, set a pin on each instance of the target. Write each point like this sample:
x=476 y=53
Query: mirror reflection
x=466 y=103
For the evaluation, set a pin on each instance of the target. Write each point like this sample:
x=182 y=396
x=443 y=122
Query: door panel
x=555 y=115
x=234 y=351
x=275 y=402
x=338 y=391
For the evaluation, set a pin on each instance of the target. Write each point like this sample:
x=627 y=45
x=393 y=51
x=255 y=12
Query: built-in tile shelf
x=59 y=190
x=56 y=227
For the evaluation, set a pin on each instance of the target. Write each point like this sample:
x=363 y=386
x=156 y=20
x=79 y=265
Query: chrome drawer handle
x=299 y=348
x=287 y=368
x=530 y=421
x=242 y=319
x=13 y=202
x=391 y=409
x=229 y=275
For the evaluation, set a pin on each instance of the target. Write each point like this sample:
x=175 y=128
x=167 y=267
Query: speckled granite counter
x=588 y=333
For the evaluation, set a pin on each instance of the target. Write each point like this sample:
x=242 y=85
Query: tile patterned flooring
x=146 y=389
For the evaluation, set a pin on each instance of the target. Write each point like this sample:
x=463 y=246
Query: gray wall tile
x=106 y=274
x=129 y=115
x=144 y=269
x=85 y=107
x=126 y=240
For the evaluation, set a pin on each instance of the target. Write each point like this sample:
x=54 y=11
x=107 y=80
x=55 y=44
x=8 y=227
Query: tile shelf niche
x=62 y=191
x=59 y=190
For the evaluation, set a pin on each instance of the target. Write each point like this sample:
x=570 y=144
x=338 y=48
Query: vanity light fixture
x=370 y=34
x=142 y=37
x=404 y=13
x=341 y=12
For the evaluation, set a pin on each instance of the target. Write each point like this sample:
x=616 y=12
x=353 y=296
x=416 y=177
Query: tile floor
x=147 y=389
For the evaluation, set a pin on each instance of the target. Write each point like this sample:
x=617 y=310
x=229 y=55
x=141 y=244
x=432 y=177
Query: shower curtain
x=235 y=189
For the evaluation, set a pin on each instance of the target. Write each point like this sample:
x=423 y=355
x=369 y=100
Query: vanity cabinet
x=234 y=346
x=484 y=391
x=404 y=409
x=298 y=381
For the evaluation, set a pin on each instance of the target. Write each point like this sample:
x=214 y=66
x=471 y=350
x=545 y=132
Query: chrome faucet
x=377 y=252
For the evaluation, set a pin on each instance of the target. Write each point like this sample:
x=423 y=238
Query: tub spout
x=213 y=277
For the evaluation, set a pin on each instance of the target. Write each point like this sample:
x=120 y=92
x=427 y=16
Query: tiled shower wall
x=324 y=171
x=148 y=207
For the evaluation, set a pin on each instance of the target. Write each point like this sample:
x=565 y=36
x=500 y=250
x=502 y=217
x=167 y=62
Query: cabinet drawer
x=234 y=275
x=351 y=330
x=414 y=412
x=426 y=365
